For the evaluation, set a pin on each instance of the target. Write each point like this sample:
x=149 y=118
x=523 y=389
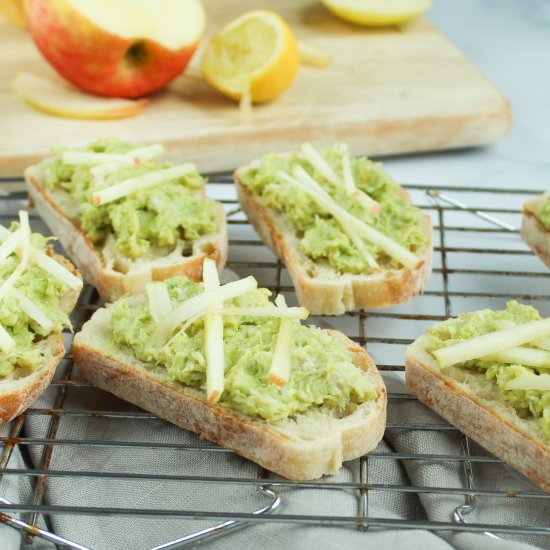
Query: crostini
x=488 y=373
x=241 y=371
x=124 y=217
x=535 y=226
x=344 y=229
x=38 y=290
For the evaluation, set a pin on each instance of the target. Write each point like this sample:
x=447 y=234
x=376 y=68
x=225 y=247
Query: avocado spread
x=154 y=217
x=321 y=237
x=322 y=371
x=543 y=214
x=529 y=404
x=42 y=289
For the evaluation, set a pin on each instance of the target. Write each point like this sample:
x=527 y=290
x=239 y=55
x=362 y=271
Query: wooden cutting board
x=387 y=91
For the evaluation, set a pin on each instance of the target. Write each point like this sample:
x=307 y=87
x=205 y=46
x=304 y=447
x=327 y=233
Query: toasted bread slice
x=61 y=215
x=480 y=414
x=320 y=288
x=533 y=232
x=307 y=446
x=19 y=390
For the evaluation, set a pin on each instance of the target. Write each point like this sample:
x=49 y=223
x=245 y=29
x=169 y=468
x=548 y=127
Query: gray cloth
x=118 y=533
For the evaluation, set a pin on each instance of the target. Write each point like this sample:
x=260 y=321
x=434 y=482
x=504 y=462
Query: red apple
x=122 y=48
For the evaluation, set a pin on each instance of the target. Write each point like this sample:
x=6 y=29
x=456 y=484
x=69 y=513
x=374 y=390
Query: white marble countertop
x=509 y=41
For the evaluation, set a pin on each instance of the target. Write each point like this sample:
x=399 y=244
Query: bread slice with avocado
x=297 y=400
x=535 y=226
x=125 y=218
x=38 y=290
x=488 y=374
x=345 y=231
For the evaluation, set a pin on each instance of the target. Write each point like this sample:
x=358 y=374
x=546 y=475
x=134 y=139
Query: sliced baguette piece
x=479 y=414
x=321 y=289
x=308 y=446
x=61 y=215
x=533 y=232
x=18 y=391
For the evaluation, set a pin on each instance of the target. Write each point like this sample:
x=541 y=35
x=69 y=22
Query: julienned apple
x=122 y=48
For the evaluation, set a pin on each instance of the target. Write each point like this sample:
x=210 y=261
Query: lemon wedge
x=377 y=13
x=255 y=56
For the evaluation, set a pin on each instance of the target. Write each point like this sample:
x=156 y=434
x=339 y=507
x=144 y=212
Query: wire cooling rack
x=64 y=449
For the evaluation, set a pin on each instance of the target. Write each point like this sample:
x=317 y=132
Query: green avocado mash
x=527 y=403
x=543 y=214
x=322 y=372
x=45 y=291
x=157 y=216
x=321 y=236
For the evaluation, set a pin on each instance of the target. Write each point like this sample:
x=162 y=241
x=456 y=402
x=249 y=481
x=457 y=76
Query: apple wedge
x=59 y=98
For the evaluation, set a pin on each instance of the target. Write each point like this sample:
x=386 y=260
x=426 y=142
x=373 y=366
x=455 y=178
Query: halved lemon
x=255 y=56
x=377 y=13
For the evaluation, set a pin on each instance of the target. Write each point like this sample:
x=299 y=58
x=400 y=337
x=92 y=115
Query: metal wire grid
x=457 y=240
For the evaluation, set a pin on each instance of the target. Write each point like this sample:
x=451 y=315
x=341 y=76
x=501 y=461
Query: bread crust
x=476 y=417
x=280 y=447
x=112 y=284
x=17 y=395
x=533 y=232
x=335 y=295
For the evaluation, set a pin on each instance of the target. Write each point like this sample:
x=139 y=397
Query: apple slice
x=59 y=98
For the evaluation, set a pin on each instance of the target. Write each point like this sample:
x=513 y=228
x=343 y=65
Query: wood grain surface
x=397 y=90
